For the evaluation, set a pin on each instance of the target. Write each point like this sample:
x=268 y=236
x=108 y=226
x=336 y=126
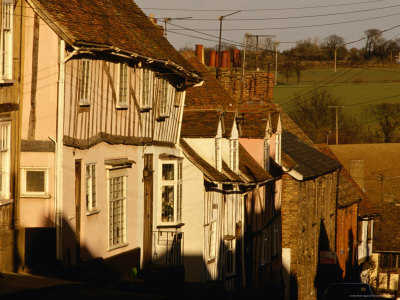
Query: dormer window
x=84 y=82
x=234 y=155
x=146 y=91
x=123 y=87
x=6 y=42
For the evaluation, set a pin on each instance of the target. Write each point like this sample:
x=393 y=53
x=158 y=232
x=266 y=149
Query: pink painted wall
x=95 y=227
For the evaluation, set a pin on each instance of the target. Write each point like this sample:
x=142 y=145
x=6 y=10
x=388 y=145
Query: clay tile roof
x=211 y=173
x=250 y=169
x=229 y=172
x=211 y=94
x=310 y=161
x=200 y=123
x=118 y=23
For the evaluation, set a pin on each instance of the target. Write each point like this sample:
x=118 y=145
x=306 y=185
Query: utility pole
x=337 y=121
x=220 y=18
x=335 y=59
x=276 y=43
x=166 y=20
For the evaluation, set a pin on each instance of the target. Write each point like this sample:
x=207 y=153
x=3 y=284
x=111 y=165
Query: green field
x=355 y=88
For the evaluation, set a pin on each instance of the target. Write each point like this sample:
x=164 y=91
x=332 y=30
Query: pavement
x=15 y=282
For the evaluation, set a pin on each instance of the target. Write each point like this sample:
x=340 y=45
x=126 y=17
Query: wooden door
x=148 y=209
x=78 y=183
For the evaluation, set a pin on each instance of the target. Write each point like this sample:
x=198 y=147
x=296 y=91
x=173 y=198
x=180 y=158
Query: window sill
x=45 y=196
x=122 y=106
x=118 y=246
x=211 y=260
x=6 y=201
x=93 y=211
x=161 y=118
x=7 y=81
x=84 y=103
x=163 y=226
x=145 y=109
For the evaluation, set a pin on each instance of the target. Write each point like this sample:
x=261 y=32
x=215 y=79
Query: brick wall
x=308 y=227
x=257 y=86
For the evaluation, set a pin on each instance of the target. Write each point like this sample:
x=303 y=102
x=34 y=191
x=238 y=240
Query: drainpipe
x=59 y=150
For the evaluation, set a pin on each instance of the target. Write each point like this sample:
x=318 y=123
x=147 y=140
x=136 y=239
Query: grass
x=355 y=88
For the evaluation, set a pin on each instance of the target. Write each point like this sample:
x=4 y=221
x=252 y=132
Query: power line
x=265 y=9
x=300 y=26
x=295 y=17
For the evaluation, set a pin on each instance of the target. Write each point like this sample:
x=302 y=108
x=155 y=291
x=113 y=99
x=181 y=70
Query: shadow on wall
x=327 y=273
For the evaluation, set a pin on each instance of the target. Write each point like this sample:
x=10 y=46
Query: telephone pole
x=337 y=121
x=220 y=18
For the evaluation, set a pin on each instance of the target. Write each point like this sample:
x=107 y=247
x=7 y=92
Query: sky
x=287 y=21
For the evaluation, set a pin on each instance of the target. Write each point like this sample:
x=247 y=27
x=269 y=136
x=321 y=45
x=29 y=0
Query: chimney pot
x=213 y=59
x=200 y=52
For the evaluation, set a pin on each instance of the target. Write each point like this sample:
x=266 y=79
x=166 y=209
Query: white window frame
x=164 y=95
x=6 y=40
x=25 y=193
x=146 y=89
x=176 y=183
x=84 y=81
x=121 y=239
x=5 y=157
x=234 y=154
x=123 y=86
x=91 y=188
x=212 y=240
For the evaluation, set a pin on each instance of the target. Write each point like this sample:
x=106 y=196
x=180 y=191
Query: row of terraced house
x=116 y=146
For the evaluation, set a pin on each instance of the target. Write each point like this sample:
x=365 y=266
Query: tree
x=287 y=69
x=333 y=42
x=314 y=114
x=374 y=43
x=388 y=117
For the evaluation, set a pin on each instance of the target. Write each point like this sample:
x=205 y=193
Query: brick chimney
x=356 y=169
x=213 y=59
x=200 y=52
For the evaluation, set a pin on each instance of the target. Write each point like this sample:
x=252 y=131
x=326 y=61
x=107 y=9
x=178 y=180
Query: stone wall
x=308 y=227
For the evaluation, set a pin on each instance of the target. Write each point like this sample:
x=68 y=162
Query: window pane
x=168 y=203
x=168 y=171
x=35 y=181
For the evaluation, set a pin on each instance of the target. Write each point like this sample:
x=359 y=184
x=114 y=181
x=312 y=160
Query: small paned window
x=6 y=42
x=123 y=86
x=84 y=78
x=171 y=191
x=163 y=98
x=218 y=154
x=5 y=136
x=146 y=91
x=117 y=214
x=234 y=155
x=91 y=194
x=34 y=182
x=389 y=260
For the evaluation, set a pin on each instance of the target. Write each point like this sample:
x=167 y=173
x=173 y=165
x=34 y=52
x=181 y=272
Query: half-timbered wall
x=101 y=120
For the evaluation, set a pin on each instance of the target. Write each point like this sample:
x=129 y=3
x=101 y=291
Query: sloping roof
x=211 y=94
x=249 y=168
x=310 y=161
x=209 y=171
x=200 y=123
x=379 y=162
x=99 y=23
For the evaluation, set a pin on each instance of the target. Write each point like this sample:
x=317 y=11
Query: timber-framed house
x=101 y=166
